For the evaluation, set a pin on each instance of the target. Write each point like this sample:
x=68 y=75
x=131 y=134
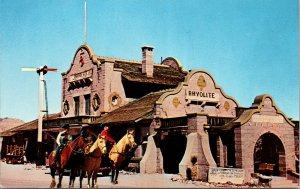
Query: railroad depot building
x=176 y=115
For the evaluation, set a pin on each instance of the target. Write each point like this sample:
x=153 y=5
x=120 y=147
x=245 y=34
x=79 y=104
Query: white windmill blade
x=29 y=69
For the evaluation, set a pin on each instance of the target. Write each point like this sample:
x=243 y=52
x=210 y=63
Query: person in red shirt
x=106 y=133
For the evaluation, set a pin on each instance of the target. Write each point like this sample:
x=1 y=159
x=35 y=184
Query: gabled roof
x=162 y=74
x=134 y=111
x=169 y=72
x=246 y=115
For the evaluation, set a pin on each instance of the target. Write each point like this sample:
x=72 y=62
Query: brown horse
x=121 y=153
x=92 y=161
x=68 y=157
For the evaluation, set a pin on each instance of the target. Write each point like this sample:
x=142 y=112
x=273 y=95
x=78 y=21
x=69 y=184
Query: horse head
x=130 y=140
x=101 y=143
x=78 y=145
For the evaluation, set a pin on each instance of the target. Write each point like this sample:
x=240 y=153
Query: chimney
x=147 y=62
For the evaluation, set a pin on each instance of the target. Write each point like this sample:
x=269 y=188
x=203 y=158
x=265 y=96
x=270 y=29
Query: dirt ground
x=28 y=176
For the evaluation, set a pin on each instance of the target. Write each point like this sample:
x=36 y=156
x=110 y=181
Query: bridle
x=79 y=151
x=103 y=147
x=130 y=149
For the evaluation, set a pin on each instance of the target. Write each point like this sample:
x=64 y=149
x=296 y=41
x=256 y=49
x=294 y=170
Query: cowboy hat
x=65 y=126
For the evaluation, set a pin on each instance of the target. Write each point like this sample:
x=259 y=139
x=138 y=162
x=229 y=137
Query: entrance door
x=173 y=147
x=269 y=150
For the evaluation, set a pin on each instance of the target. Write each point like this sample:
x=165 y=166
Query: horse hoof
x=52 y=185
x=88 y=186
x=114 y=182
x=58 y=186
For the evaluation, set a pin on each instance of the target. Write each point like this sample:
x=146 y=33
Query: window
x=76 y=102
x=87 y=99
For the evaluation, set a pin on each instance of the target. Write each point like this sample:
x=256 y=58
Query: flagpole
x=84 y=21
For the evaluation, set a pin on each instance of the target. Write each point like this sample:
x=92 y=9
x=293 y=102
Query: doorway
x=173 y=147
x=269 y=150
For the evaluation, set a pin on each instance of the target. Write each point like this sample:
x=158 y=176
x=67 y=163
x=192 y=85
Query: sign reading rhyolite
x=202 y=96
x=224 y=175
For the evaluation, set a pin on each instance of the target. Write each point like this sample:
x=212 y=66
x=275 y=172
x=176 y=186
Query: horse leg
x=72 y=178
x=89 y=178
x=53 y=183
x=92 y=177
x=117 y=174
x=73 y=175
x=112 y=175
x=95 y=179
x=60 y=178
x=82 y=174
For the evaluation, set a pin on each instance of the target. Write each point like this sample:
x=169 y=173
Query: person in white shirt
x=62 y=140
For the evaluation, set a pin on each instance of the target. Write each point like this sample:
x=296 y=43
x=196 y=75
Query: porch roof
x=137 y=110
x=29 y=126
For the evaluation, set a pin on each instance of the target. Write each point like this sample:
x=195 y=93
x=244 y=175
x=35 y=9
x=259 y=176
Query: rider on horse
x=109 y=140
x=88 y=138
x=62 y=140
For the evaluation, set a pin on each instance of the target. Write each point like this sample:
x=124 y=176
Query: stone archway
x=269 y=149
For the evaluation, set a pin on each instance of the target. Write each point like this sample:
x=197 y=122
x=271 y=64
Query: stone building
x=176 y=115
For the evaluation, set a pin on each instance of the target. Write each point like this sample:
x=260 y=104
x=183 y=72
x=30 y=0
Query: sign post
x=41 y=72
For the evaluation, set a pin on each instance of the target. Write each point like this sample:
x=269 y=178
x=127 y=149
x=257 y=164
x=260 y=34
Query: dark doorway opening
x=173 y=147
x=269 y=150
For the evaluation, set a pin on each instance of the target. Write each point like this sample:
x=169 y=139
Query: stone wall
x=248 y=134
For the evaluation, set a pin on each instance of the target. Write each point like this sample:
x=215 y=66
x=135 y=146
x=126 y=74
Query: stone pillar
x=282 y=168
x=220 y=152
x=197 y=145
x=225 y=155
x=152 y=161
x=238 y=147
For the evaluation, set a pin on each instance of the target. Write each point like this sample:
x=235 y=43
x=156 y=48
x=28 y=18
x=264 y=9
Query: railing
x=15 y=154
x=15 y=150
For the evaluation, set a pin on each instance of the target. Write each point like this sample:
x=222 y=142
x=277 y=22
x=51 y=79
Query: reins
x=73 y=149
x=125 y=154
x=101 y=149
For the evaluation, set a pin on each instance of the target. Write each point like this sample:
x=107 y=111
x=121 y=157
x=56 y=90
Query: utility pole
x=41 y=72
x=85 y=22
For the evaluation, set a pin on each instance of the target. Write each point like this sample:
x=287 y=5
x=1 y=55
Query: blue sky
x=249 y=46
